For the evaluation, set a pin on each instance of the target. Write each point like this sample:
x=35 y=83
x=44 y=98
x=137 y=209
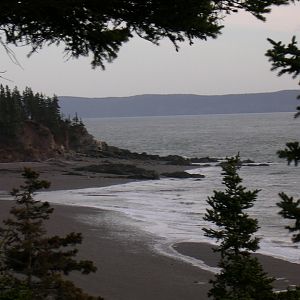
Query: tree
x=18 y=109
x=34 y=265
x=241 y=275
x=100 y=28
x=286 y=60
x=10 y=113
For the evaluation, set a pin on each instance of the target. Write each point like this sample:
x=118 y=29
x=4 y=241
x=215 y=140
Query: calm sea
x=172 y=210
x=255 y=136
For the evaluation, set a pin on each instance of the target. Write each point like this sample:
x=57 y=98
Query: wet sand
x=284 y=272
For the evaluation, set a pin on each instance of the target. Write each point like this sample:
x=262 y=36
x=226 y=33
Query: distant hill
x=177 y=104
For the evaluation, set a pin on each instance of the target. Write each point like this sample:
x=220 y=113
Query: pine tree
x=241 y=276
x=10 y=113
x=31 y=262
x=29 y=103
x=286 y=60
x=98 y=29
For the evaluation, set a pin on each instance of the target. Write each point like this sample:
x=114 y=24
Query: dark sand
x=128 y=267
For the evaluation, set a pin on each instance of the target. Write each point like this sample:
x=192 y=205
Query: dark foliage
x=241 y=275
x=100 y=28
x=285 y=59
x=17 y=108
x=290 y=209
x=291 y=152
x=33 y=265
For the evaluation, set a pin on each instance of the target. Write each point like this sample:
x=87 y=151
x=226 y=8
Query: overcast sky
x=233 y=63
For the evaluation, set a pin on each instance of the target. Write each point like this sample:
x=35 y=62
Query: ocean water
x=255 y=136
x=172 y=210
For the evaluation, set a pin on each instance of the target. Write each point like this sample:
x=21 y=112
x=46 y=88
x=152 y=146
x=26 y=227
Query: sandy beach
x=128 y=266
x=63 y=176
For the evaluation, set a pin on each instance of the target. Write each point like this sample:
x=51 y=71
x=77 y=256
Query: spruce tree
x=33 y=264
x=241 y=275
x=10 y=113
x=286 y=60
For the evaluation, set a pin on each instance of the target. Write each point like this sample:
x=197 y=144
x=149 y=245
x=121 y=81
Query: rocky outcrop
x=182 y=175
x=79 y=140
x=36 y=142
x=204 y=160
x=114 y=152
x=246 y=163
x=124 y=170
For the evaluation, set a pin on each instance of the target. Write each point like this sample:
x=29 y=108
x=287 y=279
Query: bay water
x=172 y=210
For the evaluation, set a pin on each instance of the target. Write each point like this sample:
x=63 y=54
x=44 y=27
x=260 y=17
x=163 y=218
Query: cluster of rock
x=122 y=170
x=182 y=175
x=133 y=172
x=105 y=151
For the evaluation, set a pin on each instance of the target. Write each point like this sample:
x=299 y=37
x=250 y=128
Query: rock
x=248 y=161
x=204 y=160
x=129 y=171
x=247 y=164
x=182 y=175
x=176 y=160
x=115 y=152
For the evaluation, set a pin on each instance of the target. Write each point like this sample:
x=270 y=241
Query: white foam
x=173 y=209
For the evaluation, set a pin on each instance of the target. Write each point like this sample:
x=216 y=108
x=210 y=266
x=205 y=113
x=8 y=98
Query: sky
x=233 y=63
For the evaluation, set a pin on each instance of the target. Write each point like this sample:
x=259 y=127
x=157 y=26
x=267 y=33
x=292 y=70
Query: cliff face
x=35 y=142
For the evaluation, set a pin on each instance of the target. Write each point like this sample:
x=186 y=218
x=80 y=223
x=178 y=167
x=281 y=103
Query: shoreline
x=118 y=247
x=129 y=267
x=284 y=272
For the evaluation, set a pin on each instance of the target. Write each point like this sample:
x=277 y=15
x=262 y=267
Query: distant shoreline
x=180 y=104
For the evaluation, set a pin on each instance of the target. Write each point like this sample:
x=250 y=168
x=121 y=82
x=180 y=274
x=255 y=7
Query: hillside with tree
x=32 y=127
x=179 y=104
